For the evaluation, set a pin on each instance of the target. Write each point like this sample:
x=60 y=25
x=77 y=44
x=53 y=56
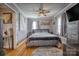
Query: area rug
x=47 y=51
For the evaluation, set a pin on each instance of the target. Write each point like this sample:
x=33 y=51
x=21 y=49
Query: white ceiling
x=29 y=9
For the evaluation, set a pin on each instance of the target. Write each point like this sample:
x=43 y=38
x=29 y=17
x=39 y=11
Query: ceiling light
x=41 y=11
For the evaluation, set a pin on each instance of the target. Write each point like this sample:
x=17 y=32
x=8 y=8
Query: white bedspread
x=42 y=42
x=42 y=34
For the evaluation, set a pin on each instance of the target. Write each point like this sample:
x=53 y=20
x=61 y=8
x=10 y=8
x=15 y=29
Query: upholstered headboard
x=40 y=30
x=37 y=30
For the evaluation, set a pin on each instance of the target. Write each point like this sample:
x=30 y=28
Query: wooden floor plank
x=22 y=50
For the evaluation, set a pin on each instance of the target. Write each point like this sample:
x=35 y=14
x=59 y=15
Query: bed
x=42 y=37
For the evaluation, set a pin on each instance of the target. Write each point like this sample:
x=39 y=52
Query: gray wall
x=43 y=24
x=21 y=31
x=73 y=32
x=21 y=28
x=55 y=26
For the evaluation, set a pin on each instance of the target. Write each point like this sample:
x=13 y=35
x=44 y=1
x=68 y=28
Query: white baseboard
x=23 y=41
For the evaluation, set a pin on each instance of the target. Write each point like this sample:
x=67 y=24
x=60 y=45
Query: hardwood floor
x=22 y=50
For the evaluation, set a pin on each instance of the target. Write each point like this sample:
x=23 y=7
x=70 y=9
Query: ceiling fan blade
x=46 y=11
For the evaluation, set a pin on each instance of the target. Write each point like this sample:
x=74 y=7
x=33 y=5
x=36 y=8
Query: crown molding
x=19 y=9
x=9 y=7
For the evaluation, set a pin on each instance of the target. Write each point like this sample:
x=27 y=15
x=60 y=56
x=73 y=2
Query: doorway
x=7 y=15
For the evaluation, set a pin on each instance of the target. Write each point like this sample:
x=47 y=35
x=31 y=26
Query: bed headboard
x=37 y=30
x=40 y=30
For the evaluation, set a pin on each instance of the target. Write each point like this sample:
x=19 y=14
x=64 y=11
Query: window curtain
x=34 y=25
x=38 y=26
x=64 y=25
x=29 y=25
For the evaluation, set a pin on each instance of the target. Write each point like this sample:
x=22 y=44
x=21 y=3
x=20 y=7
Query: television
x=73 y=13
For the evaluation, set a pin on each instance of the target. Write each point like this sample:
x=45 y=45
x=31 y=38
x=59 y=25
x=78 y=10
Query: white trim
x=13 y=22
x=19 y=9
x=9 y=7
x=66 y=8
x=22 y=42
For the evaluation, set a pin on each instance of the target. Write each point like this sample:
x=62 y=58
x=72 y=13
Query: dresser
x=73 y=32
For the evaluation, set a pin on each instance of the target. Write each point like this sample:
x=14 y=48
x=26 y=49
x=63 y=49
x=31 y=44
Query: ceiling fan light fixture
x=42 y=14
x=42 y=11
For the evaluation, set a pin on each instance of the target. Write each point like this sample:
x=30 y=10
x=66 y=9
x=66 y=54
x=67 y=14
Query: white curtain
x=29 y=25
x=34 y=25
x=64 y=25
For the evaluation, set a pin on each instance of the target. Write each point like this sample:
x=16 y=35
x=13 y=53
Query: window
x=34 y=25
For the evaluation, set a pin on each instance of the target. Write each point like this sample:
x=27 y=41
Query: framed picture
x=7 y=18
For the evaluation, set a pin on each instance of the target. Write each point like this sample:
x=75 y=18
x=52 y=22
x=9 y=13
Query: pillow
x=40 y=30
x=44 y=30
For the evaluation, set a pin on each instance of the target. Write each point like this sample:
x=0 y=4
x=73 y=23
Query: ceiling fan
x=41 y=11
